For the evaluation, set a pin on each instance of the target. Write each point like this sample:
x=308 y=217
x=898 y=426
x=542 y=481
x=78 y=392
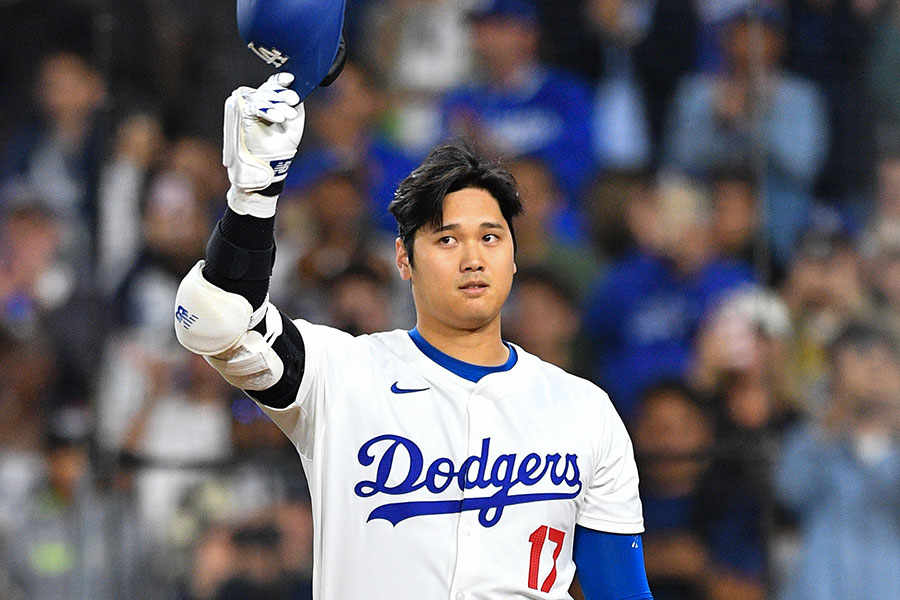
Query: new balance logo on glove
x=280 y=167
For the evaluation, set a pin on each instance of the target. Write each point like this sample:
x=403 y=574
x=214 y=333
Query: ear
x=402 y=260
x=515 y=268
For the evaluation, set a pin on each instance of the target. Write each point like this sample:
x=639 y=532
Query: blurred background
x=712 y=235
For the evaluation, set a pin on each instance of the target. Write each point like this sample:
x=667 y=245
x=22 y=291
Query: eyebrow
x=455 y=226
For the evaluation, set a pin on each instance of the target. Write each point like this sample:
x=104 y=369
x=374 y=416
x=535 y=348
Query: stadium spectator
x=539 y=243
x=344 y=136
x=343 y=234
x=634 y=52
x=58 y=154
x=620 y=213
x=825 y=289
x=359 y=301
x=840 y=474
x=747 y=113
x=23 y=365
x=544 y=319
x=42 y=298
x=883 y=267
x=181 y=428
x=743 y=363
x=519 y=105
x=697 y=546
x=643 y=313
x=418 y=50
x=137 y=151
x=260 y=558
x=173 y=221
x=735 y=215
x=72 y=538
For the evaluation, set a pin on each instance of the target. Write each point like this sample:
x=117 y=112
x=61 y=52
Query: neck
x=481 y=346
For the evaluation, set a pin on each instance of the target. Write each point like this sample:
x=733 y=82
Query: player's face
x=463 y=271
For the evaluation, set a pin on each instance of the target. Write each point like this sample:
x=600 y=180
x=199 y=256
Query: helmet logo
x=272 y=56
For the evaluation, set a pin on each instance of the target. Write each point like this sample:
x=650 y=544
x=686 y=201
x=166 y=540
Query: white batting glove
x=263 y=127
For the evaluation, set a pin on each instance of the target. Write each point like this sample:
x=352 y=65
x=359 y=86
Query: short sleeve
x=612 y=502
x=328 y=352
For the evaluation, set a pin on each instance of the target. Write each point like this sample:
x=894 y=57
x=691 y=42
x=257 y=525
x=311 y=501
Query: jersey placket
x=469 y=530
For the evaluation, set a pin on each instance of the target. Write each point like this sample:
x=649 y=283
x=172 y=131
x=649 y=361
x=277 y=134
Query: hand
x=263 y=127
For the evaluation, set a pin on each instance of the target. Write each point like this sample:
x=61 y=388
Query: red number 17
x=537 y=538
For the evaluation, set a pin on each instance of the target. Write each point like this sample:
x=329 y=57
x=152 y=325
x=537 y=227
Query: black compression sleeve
x=239 y=260
x=239 y=233
x=289 y=346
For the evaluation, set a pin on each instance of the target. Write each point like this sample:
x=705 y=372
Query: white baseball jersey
x=426 y=485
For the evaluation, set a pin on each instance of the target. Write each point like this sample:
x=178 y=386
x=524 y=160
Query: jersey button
x=460 y=596
x=467 y=531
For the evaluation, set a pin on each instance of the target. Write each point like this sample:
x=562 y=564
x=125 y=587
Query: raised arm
x=222 y=311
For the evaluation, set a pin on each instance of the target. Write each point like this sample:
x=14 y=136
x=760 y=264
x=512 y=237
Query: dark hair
x=674 y=387
x=450 y=167
x=549 y=278
x=860 y=335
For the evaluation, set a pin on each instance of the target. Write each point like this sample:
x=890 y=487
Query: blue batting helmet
x=298 y=36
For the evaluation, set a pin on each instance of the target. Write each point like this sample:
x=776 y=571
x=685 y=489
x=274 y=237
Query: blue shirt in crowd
x=548 y=116
x=849 y=512
x=642 y=317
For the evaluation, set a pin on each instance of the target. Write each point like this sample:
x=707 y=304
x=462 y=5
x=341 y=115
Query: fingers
x=271 y=111
x=273 y=101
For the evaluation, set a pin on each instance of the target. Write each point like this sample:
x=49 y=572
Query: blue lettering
x=505 y=475
x=572 y=462
x=434 y=470
x=385 y=466
x=465 y=483
x=526 y=471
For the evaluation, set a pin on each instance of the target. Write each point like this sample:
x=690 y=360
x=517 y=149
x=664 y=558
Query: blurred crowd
x=711 y=234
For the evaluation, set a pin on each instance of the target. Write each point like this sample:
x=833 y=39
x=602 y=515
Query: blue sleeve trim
x=610 y=566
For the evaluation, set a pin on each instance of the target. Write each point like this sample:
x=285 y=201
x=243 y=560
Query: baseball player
x=443 y=462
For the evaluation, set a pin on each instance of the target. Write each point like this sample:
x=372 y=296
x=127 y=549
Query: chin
x=476 y=319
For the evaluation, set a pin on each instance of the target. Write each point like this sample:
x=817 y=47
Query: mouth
x=474 y=288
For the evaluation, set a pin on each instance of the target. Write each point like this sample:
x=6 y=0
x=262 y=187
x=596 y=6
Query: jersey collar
x=466 y=370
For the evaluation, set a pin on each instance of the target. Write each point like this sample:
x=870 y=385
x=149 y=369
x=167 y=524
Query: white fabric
x=252 y=364
x=349 y=426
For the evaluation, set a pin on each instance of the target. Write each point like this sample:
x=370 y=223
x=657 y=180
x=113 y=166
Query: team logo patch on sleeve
x=507 y=476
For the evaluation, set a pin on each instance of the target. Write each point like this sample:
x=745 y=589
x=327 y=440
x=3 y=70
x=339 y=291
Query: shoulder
x=580 y=392
x=728 y=271
x=792 y=86
x=566 y=82
x=324 y=335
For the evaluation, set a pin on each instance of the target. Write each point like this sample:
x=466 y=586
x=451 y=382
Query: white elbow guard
x=217 y=325
x=209 y=320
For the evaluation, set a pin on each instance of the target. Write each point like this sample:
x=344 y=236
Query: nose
x=471 y=259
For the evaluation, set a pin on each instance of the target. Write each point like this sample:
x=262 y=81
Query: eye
x=446 y=240
x=491 y=237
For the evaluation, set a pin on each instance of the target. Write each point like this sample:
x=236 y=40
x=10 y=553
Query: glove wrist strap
x=259 y=204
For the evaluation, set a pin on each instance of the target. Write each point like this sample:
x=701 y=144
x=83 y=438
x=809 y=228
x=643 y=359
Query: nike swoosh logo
x=399 y=390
